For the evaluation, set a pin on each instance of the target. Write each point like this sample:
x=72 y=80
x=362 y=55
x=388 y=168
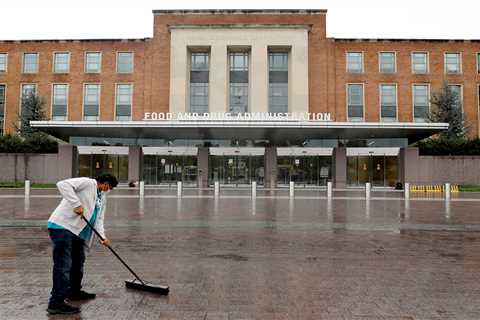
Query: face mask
x=105 y=192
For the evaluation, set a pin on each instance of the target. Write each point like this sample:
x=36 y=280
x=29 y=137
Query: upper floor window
x=388 y=102
x=478 y=62
x=30 y=62
x=419 y=62
x=2 y=108
x=61 y=62
x=238 y=82
x=199 y=82
x=91 y=102
x=124 y=102
x=125 y=62
x=387 y=62
x=355 y=102
x=93 y=62
x=3 y=62
x=355 y=62
x=452 y=63
x=421 y=102
x=278 y=82
x=456 y=89
x=27 y=90
x=59 y=102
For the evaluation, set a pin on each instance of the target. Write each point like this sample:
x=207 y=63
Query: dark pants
x=68 y=259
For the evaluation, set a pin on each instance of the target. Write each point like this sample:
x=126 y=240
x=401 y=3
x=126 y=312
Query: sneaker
x=81 y=295
x=62 y=308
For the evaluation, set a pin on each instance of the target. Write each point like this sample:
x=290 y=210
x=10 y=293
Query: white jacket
x=78 y=192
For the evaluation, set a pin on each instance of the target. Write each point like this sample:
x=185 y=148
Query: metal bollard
x=217 y=188
x=254 y=189
x=447 y=191
x=142 y=189
x=367 y=190
x=292 y=189
x=329 y=190
x=407 y=191
x=27 y=188
x=179 y=189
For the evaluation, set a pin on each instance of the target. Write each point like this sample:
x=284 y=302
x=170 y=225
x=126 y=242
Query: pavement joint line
x=263 y=225
x=249 y=197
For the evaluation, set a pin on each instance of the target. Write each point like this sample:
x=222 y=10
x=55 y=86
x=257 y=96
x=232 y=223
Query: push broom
x=136 y=283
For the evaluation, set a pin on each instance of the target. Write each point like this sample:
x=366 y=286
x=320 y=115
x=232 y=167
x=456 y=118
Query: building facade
x=238 y=96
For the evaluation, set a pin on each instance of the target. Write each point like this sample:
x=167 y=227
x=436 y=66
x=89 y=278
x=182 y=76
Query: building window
x=3 y=62
x=355 y=62
x=421 y=102
x=355 y=102
x=93 y=62
x=199 y=80
x=124 y=102
x=59 y=102
x=61 y=63
x=125 y=62
x=30 y=62
x=452 y=63
x=478 y=62
x=2 y=108
x=388 y=102
x=27 y=90
x=278 y=82
x=387 y=62
x=456 y=89
x=238 y=82
x=419 y=62
x=91 y=102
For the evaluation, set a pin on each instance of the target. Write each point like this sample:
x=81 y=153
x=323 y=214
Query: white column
x=292 y=189
x=329 y=190
x=218 y=78
x=217 y=189
x=179 y=189
x=407 y=191
x=259 y=78
x=447 y=191
x=27 y=188
x=142 y=189
x=254 y=189
x=367 y=190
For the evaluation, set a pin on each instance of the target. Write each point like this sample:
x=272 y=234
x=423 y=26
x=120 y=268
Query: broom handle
x=113 y=251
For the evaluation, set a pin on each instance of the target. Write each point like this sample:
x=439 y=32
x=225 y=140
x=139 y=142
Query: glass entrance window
x=168 y=169
x=93 y=165
x=236 y=169
x=306 y=171
x=380 y=171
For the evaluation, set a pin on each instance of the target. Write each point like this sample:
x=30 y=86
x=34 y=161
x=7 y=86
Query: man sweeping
x=70 y=234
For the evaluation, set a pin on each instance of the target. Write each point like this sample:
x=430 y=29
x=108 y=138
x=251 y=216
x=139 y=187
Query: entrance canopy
x=275 y=131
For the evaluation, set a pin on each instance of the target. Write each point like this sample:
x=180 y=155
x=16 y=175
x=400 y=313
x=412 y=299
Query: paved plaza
x=273 y=257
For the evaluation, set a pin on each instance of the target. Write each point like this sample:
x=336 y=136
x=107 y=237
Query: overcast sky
x=86 y=19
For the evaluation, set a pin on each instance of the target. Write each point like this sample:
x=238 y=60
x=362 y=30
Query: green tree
x=32 y=110
x=448 y=108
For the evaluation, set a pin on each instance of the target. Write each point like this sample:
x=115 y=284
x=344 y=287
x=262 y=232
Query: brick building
x=238 y=96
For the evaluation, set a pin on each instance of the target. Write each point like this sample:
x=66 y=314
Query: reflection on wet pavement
x=268 y=258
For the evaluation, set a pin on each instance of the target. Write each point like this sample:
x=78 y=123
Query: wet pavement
x=270 y=258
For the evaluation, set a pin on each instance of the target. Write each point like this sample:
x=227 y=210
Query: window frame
x=347 y=64
x=54 y=62
x=394 y=62
x=427 y=63
x=2 y=128
x=461 y=94
x=117 y=84
x=118 y=60
x=52 y=99
x=37 y=62
x=6 y=62
x=363 y=100
x=429 y=97
x=85 y=84
x=99 y=62
x=445 y=62
x=380 y=100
